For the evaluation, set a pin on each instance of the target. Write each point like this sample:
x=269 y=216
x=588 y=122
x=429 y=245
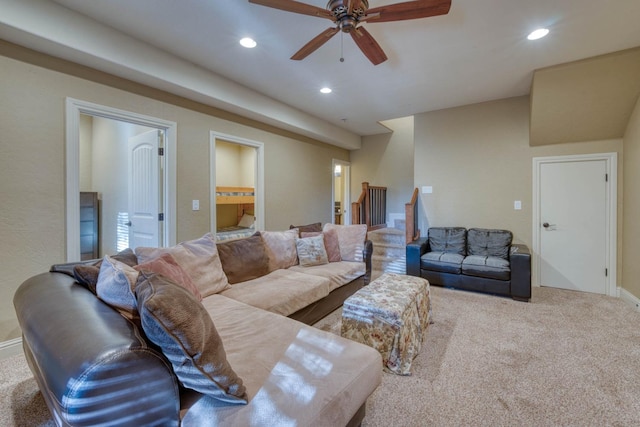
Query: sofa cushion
x=351 y=239
x=173 y=319
x=340 y=273
x=495 y=243
x=311 y=251
x=281 y=248
x=448 y=239
x=167 y=266
x=298 y=376
x=244 y=259
x=115 y=286
x=199 y=258
x=486 y=266
x=445 y=262
x=281 y=291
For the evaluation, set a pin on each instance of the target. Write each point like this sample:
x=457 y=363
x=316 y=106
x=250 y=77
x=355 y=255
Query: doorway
x=237 y=164
x=341 y=195
x=112 y=154
x=574 y=224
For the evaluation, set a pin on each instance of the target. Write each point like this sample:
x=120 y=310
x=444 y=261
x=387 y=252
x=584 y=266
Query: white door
x=573 y=225
x=144 y=182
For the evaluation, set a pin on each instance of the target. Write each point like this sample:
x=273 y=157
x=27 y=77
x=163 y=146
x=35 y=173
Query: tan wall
x=631 y=240
x=298 y=172
x=478 y=160
x=386 y=160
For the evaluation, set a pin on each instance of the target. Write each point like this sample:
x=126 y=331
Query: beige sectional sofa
x=219 y=348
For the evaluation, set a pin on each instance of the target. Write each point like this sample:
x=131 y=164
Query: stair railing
x=411 y=218
x=371 y=207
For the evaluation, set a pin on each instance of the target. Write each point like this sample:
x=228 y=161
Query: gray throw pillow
x=173 y=319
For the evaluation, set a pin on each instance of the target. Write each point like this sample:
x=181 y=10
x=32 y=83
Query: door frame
x=259 y=170
x=346 y=179
x=611 y=162
x=73 y=109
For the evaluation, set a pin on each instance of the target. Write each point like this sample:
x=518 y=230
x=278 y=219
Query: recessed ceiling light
x=248 y=42
x=538 y=34
x=326 y=90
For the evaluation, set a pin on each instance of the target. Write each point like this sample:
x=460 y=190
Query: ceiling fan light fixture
x=326 y=90
x=538 y=34
x=248 y=42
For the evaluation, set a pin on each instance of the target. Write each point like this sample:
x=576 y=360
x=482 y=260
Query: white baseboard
x=10 y=348
x=629 y=298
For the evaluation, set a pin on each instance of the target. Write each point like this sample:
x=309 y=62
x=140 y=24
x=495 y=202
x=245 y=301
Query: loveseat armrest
x=415 y=250
x=92 y=365
x=520 y=262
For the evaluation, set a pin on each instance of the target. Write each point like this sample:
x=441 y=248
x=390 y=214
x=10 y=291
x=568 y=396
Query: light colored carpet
x=565 y=359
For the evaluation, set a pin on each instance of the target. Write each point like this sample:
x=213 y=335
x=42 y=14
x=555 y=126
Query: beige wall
x=478 y=160
x=298 y=172
x=386 y=160
x=631 y=225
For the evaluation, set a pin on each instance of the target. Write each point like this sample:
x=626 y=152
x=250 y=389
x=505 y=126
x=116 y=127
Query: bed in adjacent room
x=235 y=212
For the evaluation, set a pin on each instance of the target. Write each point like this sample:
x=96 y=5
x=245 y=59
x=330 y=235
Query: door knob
x=545 y=225
x=128 y=224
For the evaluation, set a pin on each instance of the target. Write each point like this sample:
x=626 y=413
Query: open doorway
x=237 y=186
x=341 y=198
x=101 y=144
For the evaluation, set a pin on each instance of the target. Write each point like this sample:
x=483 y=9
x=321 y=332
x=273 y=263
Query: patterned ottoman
x=390 y=314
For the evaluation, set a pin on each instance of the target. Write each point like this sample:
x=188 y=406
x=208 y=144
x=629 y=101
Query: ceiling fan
x=348 y=14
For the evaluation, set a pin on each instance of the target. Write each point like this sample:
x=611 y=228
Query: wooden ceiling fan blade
x=408 y=10
x=295 y=7
x=314 y=44
x=368 y=45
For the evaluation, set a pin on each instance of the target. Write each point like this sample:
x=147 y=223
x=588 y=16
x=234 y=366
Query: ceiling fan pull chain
x=341 y=46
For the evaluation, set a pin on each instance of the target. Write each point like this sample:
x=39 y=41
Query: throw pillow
x=315 y=227
x=311 y=251
x=330 y=244
x=167 y=266
x=173 y=319
x=116 y=281
x=199 y=257
x=244 y=259
x=351 y=239
x=246 y=221
x=281 y=248
x=87 y=274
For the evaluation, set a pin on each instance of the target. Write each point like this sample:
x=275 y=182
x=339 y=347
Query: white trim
x=10 y=348
x=346 y=208
x=611 y=161
x=74 y=108
x=629 y=298
x=259 y=185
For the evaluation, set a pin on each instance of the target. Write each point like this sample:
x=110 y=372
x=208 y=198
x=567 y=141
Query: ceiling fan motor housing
x=347 y=21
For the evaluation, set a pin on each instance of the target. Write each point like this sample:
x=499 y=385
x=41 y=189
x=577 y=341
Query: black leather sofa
x=476 y=259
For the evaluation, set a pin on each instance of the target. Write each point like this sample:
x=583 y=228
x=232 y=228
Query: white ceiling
x=478 y=52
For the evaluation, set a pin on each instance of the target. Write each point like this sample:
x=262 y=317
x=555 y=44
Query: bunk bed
x=243 y=198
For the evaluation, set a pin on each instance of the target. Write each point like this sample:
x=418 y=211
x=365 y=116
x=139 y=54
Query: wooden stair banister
x=411 y=218
x=371 y=207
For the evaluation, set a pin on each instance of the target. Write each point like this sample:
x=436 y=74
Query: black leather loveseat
x=475 y=259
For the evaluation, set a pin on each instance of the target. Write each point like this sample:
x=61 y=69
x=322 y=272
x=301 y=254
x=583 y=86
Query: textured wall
x=32 y=172
x=631 y=227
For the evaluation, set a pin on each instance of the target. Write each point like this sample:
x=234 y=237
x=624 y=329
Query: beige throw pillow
x=199 y=258
x=351 y=239
x=330 y=243
x=281 y=248
x=311 y=251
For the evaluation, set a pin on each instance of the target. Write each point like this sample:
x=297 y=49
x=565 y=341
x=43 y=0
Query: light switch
x=195 y=205
x=427 y=189
x=517 y=205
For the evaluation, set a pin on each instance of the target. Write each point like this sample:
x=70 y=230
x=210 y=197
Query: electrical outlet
x=195 y=205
